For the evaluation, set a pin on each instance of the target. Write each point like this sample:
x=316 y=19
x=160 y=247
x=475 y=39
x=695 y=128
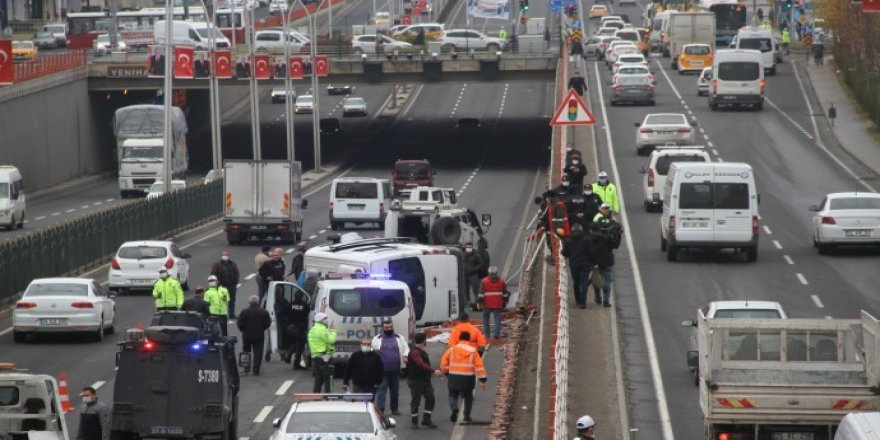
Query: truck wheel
x=299 y=237
x=446 y=230
x=671 y=252
x=18 y=336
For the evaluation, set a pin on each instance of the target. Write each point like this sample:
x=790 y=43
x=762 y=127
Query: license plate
x=697 y=63
x=730 y=98
x=53 y=321
x=258 y=227
x=695 y=225
x=357 y=207
x=141 y=281
x=792 y=436
x=858 y=232
x=166 y=430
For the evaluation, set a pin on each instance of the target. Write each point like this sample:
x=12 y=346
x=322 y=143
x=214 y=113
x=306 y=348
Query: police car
x=331 y=416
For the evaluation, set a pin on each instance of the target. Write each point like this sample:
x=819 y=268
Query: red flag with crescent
x=870 y=5
x=263 y=69
x=223 y=64
x=7 y=69
x=183 y=62
x=295 y=67
x=322 y=66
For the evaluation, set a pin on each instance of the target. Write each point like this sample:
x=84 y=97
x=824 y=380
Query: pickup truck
x=32 y=406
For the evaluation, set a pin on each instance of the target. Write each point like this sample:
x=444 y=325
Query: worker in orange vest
x=463 y=366
x=463 y=324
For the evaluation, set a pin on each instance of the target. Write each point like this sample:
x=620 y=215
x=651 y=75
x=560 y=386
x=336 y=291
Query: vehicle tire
x=752 y=254
x=98 y=336
x=21 y=221
x=299 y=237
x=19 y=337
x=123 y=195
x=493 y=47
x=671 y=252
x=759 y=106
x=824 y=249
x=446 y=230
x=662 y=243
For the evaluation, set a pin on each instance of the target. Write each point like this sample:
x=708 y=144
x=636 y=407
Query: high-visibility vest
x=168 y=293
x=463 y=360
x=218 y=300
x=477 y=337
x=493 y=293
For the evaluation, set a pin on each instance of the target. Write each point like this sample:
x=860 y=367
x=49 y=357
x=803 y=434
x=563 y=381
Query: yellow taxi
x=24 y=50
x=694 y=57
x=599 y=11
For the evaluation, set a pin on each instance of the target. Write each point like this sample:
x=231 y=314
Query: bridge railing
x=49 y=64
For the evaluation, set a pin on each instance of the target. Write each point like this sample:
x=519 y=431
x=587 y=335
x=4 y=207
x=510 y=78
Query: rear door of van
x=735 y=204
x=738 y=74
x=695 y=214
x=357 y=200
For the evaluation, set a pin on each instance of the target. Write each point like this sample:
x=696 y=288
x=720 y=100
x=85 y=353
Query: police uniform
x=321 y=341
x=217 y=298
x=168 y=294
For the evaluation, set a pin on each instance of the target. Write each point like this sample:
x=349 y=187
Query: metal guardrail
x=49 y=64
x=91 y=240
x=27 y=26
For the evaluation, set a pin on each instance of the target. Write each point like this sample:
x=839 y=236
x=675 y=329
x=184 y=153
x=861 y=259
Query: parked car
x=64 y=305
x=466 y=39
x=362 y=44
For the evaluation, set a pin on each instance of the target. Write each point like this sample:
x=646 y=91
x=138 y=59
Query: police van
x=710 y=206
x=30 y=406
x=434 y=274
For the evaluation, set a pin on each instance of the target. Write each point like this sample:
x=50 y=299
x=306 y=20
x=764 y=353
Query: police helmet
x=585 y=422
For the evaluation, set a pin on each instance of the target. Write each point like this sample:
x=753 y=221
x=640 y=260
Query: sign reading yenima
x=573 y=111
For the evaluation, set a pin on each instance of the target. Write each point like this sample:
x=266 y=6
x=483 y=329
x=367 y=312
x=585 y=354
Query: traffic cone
x=66 y=406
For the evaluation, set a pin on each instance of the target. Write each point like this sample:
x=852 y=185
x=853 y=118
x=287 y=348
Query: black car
x=339 y=90
x=330 y=126
x=468 y=126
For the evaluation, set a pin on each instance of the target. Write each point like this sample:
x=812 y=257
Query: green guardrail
x=93 y=239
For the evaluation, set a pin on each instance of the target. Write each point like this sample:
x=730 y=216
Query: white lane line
x=767 y=230
x=71 y=210
x=244 y=438
x=98 y=203
x=250 y=277
x=790 y=119
x=702 y=131
x=322 y=231
x=302 y=243
x=55 y=214
x=261 y=417
x=42 y=217
x=109 y=200
x=97 y=385
x=238 y=285
x=817 y=301
x=289 y=251
x=788 y=260
x=284 y=387
x=828 y=317
x=3 y=332
x=84 y=207
x=777 y=244
x=709 y=143
x=312 y=237
x=801 y=278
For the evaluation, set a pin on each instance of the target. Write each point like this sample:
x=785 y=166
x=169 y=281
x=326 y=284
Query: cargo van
x=359 y=200
x=12 y=198
x=760 y=39
x=434 y=274
x=710 y=206
x=190 y=33
x=738 y=79
x=859 y=426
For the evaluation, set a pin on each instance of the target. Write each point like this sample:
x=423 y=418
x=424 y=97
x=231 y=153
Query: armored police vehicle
x=176 y=379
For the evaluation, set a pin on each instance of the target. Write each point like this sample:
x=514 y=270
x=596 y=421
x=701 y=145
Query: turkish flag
x=183 y=62
x=870 y=5
x=295 y=67
x=322 y=66
x=263 y=69
x=223 y=64
x=7 y=70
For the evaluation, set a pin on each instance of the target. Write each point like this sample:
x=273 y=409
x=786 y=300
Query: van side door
x=443 y=299
x=732 y=201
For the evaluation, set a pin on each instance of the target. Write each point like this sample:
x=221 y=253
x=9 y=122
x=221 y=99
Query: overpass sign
x=573 y=111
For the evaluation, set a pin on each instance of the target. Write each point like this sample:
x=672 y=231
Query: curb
x=79 y=182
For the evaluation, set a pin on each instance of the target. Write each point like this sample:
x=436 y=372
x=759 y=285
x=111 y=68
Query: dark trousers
x=298 y=345
x=321 y=372
x=580 y=277
x=419 y=389
x=222 y=321
x=233 y=288
x=468 y=396
x=255 y=347
x=390 y=380
x=262 y=286
x=473 y=284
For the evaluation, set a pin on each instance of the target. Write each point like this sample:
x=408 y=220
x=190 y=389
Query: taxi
x=333 y=416
x=24 y=50
x=694 y=58
x=599 y=11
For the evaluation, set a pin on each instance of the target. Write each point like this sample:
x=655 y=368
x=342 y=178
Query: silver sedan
x=354 y=106
x=851 y=218
x=664 y=129
x=55 y=305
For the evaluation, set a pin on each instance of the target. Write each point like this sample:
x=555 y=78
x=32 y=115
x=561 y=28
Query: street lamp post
x=288 y=105
x=214 y=88
x=255 y=102
x=316 y=108
x=168 y=137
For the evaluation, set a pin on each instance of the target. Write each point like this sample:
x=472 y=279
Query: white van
x=434 y=274
x=190 y=33
x=654 y=180
x=760 y=39
x=738 y=79
x=712 y=206
x=359 y=200
x=859 y=426
x=12 y=197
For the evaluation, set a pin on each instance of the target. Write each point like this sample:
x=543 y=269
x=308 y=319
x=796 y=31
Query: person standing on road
x=476 y=339
x=586 y=428
x=493 y=296
x=575 y=205
x=322 y=337
x=253 y=323
x=576 y=172
x=261 y=258
x=502 y=34
x=463 y=366
x=273 y=269
x=94 y=417
x=419 y=371
x=227 y=273
x=364 y=370
x=571 y=152
x=576 y=54
x=607 y=191
x=565 y=188
x=577 y=81
x=576 y=248
x=167 y=291
x=298 y=318
x=602 y=257
x=296 y=263
x=786 y=40
x=197 y=303
x=217 y=298
x=592 y=202
x=393 y=349
x=473 y=262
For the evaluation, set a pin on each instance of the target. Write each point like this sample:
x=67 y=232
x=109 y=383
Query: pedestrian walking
x=197 y=303
x=227 y=273
x=577 y=81
x=494 y=296
x=786 y=40
x=217 y=298
x=167 y=291
x=602 y=256
x=576 y=54
x=253 y=323
x=261 y=258
x=586 y=428
x=473 y=262
x=394 y=350
x=463 y=366
x=576 y=172
x=297 y=261
x=273 y=269
x=364 y=371
x=94 y=417
x=592 y=202
x=419 y=372
x=565 y=187
x=576 y=248
x=607 y=191
x=463 y=324
x=322 y=337
x=296 y=318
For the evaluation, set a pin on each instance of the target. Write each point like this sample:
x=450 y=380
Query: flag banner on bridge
x=497 y=9
x=262 y=68
x=202 y=67
x=7 y=70
x=243 y=67
x=322 y=66
x=156 y=62
x=573 y=111
x=870 y=5
x=183 y=62
x=223 y=64
x=296 y=67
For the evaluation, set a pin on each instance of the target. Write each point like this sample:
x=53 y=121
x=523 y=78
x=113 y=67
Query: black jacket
x=296 y=264
x=253 y=323
x=196 y=304
x=226 y=272
x=415 y=370
x=576 y=174
x=601 y=249
x=576 y=248
x=273 y=270
x=578 y=84
x=364 y=370
x=473 y=262
x=592 y=203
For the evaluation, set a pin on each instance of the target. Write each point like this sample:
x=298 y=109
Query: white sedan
x=627 y=59
x=56 y=305
x=362 y=44
x=354 y=105
x=304 y=104
x=664 y=129
x=137 y=265
x=850 y=218
x=333 y=416
x=157 y=189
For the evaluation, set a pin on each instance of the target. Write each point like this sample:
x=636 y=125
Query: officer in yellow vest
x=167 y=291
x=217 y=298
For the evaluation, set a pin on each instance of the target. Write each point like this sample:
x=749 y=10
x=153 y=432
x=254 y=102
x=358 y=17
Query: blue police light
x=196 y=346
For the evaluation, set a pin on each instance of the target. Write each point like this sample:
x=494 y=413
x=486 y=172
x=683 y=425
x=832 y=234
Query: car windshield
x=206 y=32
x=663 y=162
x=54 y=29
x=762 y=44
x=746 y=313
x=305 y=99
x=855 y=203
x=330 y=422
x=364 y=301
x=354 y=101
x=696 y=50
x=44 y=35
x=142 y=252
x=739 y=71
x=632 y=70
x=57 y=289
x=714 y=196
x=22 y=45
x=142 y=153
x=665 y=120
x=631 y=59
x=357 y=190
x=4 y=190
x=629 y=36
x=632 y=80
x=411 y=169
x=103 y=38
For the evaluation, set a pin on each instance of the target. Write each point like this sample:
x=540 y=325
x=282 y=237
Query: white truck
x=686 y=28
x=263 y=200
x=784 y=379
x=30 y=406
x=139 y=131
x=432 y=216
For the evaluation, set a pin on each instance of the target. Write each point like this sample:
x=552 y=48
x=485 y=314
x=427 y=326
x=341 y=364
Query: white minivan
x=711 y=206
x=359 y=200
x=654 y=180
x=190 y=33
x=738 y=79
x=12 y=197
x=760 y=39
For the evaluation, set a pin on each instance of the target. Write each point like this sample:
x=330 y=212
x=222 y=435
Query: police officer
x=217 y=298
x=298 y=317
x=786 y=40
x=167 y=291
x=586 y=428
x=607 y=191
x=253 y=323
x=321 y=339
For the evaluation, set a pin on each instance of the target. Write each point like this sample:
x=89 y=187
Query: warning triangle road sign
x=573 y=111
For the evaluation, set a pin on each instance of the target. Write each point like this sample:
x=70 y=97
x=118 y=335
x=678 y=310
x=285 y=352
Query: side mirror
x=693 y=360
x=391 y=422
x=112 y=294
x=688 y=323
x=642 y=170
x=304 y=204
x=334 y=238
x=276 y=423
x=814 y=208
x=637 y=124
x=185 y=256
x=486 y=219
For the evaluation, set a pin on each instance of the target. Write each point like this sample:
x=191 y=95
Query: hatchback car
x=157 y=189
x=616 y=48
x=628 y=59
x=304 y=104
x=24 y=50
x=595 y=47
x=466 y=39
x=654 y=180
x=61 y=305
x=635 y=89
x=346 y=416
x=408 y=174
x=664 y=129
x=354 y=105
x=597 y=11
x=137 y=264
x=362 y=44
x=694 y=57
x=846 y=219
x=45 y=40
x=704 y=82
x=634 y=69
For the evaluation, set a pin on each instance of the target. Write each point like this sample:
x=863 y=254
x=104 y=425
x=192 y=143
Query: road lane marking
x=250 y=277
x=790 y=119
x=788 y=260
x=777 y=244
x=42 y=217
x=84 y=207
x=284 y=387
x=312 y=237
x=97 y=385
x=709 y=143
x=71 y=210
x=98 y=203
x=817 y=301
x=322 y=231
x=5 y=331
x=261 y=417
x=767 y=230
x=801 y=278
x=289 y=251
x=109 y=200
x=55 y=214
